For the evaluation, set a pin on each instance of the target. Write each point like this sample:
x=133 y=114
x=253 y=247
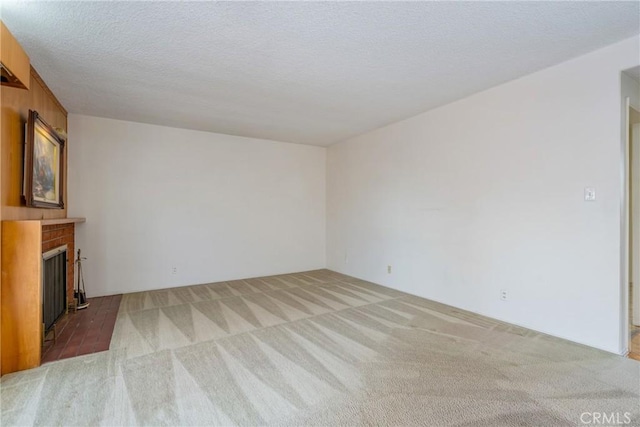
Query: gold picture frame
x=44 y=165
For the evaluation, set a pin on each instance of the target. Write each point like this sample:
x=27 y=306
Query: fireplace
x=22 y=304
x=54 y=286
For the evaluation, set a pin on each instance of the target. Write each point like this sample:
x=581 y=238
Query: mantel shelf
x=63 y=221
x=56 y=221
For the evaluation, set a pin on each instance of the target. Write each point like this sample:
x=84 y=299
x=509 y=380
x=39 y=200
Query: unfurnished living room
x=320 y=213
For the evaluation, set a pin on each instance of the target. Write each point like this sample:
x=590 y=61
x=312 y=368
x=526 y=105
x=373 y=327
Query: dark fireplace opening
x=54 y=286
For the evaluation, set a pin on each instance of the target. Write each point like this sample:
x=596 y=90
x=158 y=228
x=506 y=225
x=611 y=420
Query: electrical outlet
x=388 y=269
x=174 y=270
x=346 y=257
x=589 y=194
x=503 y=294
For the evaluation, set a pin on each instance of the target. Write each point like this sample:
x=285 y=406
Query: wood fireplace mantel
x=57 y=221
x=62 y=221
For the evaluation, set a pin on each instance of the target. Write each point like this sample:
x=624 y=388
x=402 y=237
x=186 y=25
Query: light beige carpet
x=319 y=348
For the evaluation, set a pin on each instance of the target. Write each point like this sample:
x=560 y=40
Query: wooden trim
x=37 y=77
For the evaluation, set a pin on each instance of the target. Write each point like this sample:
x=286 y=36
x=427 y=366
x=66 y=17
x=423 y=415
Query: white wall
x=217 y=207
x=486 y=194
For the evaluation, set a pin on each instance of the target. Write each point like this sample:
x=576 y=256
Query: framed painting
x=44 y=165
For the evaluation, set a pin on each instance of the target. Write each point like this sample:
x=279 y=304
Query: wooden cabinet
x=22 y=292
x=15 y=62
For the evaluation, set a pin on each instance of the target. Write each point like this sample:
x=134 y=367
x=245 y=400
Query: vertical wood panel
x=21 y=295
x=16 y=104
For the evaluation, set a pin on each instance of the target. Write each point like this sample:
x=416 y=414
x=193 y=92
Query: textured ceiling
x=313 y=73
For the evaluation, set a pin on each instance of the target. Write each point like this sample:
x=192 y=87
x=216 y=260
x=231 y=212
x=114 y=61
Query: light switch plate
x=589 y=194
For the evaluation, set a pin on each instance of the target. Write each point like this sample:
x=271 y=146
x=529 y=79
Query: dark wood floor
x=84 y=331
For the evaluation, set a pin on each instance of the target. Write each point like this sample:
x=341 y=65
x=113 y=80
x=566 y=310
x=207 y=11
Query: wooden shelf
x=54 y=221
x=62 y=221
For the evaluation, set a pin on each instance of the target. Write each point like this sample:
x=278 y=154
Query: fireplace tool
x=80 y=294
